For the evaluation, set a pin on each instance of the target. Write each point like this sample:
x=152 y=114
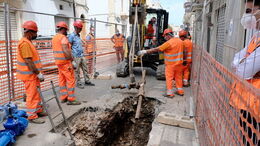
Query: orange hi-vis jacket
x=173 y=55
x=150 y=32
x=119 y=40
x=242 y=99
x=253 y=45
x=188 y=47
x=23 y=71
x=59 y=55
x=90 y=43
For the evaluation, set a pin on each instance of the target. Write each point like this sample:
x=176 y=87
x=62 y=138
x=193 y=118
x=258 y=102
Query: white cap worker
x=173 y=59
x=29 y=71
x=118 y=39
x=90 y=48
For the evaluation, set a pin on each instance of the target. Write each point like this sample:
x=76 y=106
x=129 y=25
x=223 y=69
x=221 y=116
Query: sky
x=175 y=9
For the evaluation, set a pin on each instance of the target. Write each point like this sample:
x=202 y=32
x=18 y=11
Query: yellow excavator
x=137 y=40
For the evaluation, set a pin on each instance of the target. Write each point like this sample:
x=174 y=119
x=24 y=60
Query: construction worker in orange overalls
x=29 y=71
x=150 y=34
x=63 y=59
x=188 y=61
x=173 y=59
x=90 y=44
x=246 y=65
x=118 y=39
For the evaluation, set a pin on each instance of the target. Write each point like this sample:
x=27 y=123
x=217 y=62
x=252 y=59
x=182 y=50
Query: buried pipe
x=141 y=92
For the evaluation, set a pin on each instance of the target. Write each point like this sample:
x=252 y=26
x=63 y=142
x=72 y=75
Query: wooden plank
x=175 y=120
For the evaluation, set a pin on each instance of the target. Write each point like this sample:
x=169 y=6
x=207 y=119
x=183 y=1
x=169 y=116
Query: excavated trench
x=115 y=127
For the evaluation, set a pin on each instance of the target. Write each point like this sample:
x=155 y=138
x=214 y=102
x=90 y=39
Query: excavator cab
x=145 y=40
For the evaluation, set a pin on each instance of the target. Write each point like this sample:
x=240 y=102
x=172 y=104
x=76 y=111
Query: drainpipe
x=74 y=10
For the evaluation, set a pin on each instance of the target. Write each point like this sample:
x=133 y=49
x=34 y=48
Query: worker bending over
x=173 y=59
x=90 y=48
x=29 y=71
x=78 y=54
x=63 y=59
x=118 y=39
x=188 y=50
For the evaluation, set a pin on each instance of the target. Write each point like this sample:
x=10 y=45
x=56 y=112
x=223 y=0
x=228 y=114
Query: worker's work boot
x=42 y=114
x=37 y=121
x=88 y=83
x=180 y=94
x=186 y=84
x=64 y=101
x=168 y=96
x=79 y=85
x=75 y=102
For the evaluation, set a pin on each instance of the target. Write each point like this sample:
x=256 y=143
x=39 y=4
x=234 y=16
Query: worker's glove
x=142 y=52
x=74 y=64
x=41 y=77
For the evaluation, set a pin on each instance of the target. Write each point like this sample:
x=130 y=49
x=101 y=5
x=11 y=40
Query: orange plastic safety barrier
x=104 y=54
x=218 y=122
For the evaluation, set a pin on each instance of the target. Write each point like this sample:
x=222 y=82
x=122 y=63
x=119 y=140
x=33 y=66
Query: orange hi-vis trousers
x=186 y=72
x=66 y=81
x=174 y=72
x=33 y=99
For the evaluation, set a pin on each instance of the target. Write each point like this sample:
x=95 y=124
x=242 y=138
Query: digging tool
x=140 y=95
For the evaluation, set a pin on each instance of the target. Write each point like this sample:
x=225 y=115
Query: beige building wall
x=233 y=30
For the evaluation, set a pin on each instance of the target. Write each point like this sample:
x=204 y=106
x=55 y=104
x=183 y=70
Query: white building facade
x=53 y=12
x=114 y=11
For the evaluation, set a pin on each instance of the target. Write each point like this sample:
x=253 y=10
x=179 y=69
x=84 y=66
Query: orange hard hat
x=30 y=25
x=182 y=33
x=78 y=24
x=167 y=31
x=62 y=24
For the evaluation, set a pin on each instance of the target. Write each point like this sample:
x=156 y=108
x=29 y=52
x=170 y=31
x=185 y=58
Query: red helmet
x=30 y=25
x=167 y=31
x=78 y=24
x=62 y=24
x=183 y=33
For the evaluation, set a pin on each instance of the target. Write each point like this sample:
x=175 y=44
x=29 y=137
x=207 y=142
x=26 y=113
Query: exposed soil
x=115 y=127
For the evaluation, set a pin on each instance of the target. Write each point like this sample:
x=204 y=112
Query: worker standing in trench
x=63 y=59
x=118 y=39
x=78 y=55
x=246 y=64
x=173 y=59
x=29 y=71
x=188 y=49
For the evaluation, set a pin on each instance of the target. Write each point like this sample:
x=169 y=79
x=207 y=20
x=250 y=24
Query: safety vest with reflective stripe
x=255 y=43
x=150 y=32
x=119 y=40
x=174 y=54
x=59 y=55
x=188 y=47
x=23 y=71
x=90 y=43
x=245 y=99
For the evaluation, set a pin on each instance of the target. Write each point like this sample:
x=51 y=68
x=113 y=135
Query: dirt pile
x=117 y=126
